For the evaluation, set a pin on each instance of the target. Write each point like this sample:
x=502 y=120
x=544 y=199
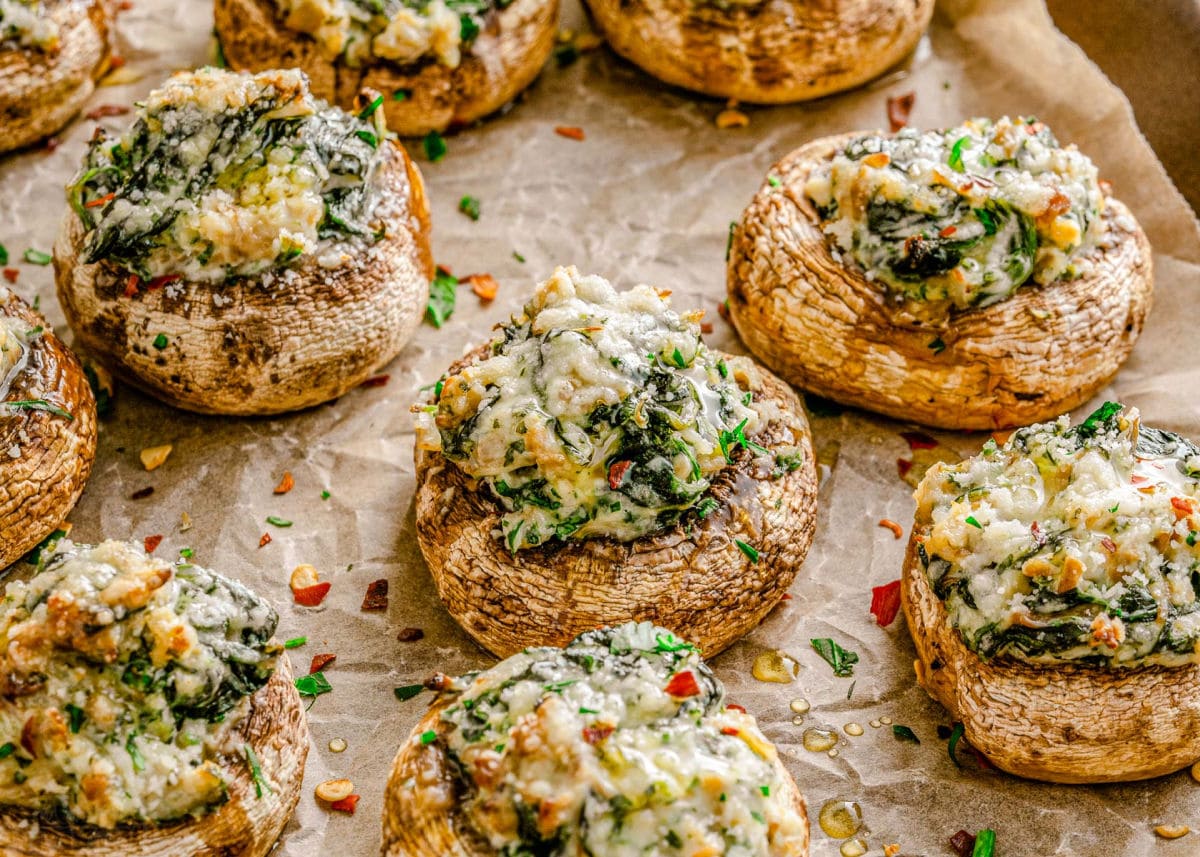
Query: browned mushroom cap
x=45 y=458
x=259 y=350
x=247 y=824
x=503 y=59
x=40 y=91
x=1062 y=724
x=767 y=53
x=822 y=326
x=692 y=578
x=421 y=803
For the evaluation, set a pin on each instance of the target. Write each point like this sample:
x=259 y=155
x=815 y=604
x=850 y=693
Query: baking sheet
x=647 y=197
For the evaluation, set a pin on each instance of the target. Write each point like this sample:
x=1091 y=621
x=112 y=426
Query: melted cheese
x=27 y=23
x=620 y=745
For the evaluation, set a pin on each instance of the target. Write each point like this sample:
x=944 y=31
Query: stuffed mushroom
x=598 y=463
x=244 y=248
x=144 y=710
x=47 y=429
x=440 y=63
x=975 y=278
x=51 y=53
x=1051 y=589
x=763 y=51
x=620 y=743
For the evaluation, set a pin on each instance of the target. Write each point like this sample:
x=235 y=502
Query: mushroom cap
x=822 y=326
x=421 y=819
x=263 y=350
x=503 y=60
x=1061 y=724
x=246 y=824
x=773 y=52
x=40 y=486
x=691 y=578
x=41 y=91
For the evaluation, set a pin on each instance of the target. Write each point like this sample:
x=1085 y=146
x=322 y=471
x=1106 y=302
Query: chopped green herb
x=758 y=816
x=670 y=643
x=435 y=146
x=1116 y=506
x=518 y=257
x=903 y=733
x=276 y=521
x=367 y=137
x=749 y=550
x=256 y=773
x=295 y=642
x=75 y=717
x=677 y=356
x=160 y=341
x=408 y=691
x=469 y=205
x=368 y=111
x=3 y=255
x=985 y=217
x=467 y=28
x=1097 y=419
x=955 y=736
x=850 y=692
x=937 y=346
x=840 y=659
x=565 y=54
x=588 y=711
x=559 y=686
x=1191 y=539
x=135 y=755
x=766 y=790
x=187 y=553
x=985 y=843
x=313 y=685
x=401 y=94
x=39 y=405
x=443 y=292
x=37 y=257
x=428 y=737
x=8 y=748
x=955 y=160
x=774 y=181
x=970 y=519
x=722 y=369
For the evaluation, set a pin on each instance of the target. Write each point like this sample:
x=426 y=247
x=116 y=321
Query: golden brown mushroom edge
x=47 y=429
x=246 y=787
x=759 y=52
x=440 y=81
x=49 y=70
x=242 y=306
x=438 y=805
x=814 y=318
x=714 y=573
x=1124 y=705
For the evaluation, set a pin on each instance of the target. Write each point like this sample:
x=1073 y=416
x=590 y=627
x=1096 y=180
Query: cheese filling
x=596 y=412
x=28 y=24
x=121 y=677
x=226 y=175
x=620 y=744
x=1071 y=545
x=961 y=217
x=403 y=31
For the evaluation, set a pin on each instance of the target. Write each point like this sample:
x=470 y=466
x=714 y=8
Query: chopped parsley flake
x=36 y=257
x=903 y=733
x=408 y=691
x=749 y=550
x=428 y=737
x=39 y=405
x=276 y=521
x=443 y=293
x=160 y=341
x=840 y=659
x=313 y=685
x=256 y=773
x=295 y=642
x=435 y=146
x=469 y=205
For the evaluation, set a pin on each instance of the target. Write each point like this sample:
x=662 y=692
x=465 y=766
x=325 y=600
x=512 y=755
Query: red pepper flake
x=683 y=685
x=885 y=603
x=410 y=635
x=346 y=804
x=1138 y=479
x=125 y=5
x=286 y=483
x=898 y=109
x=706 y=327
x=616 y=473
x=376 y=381
x=265 y=540
x=115 y=62
x=106 y=110
x=10 y=274
x=1109 y=544
x=947 y=232
x=571 y=132
x=595 y=734
x=723 y=310
x=1182 y=506
x=164 y=280
x=131 y=286
x=1037 y=534
x=50 y=144
x=100 y=200
x=377 y=596
x=151 y=542
x=142 y=493
x=963 y=844
x=918 y=440
x=889 y=524
x=484 y=286
x=319 y=662
x=903 y=465
x=311 y=596
x=730 y=730
x=787 y=596
x=733 y=706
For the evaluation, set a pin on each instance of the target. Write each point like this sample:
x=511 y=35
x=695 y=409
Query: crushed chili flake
x=286 y=483
x=918 y=440
x=346 y=804
x=100 y=200
x=376 y=381
x=377 y=596
x=115 y=62
x=1038 y=537
x=151 y=542
x=1182 y=506
x=142 y=493
x=1109 y=544
x=616 y=473
x=899 y=107
x=131 y=286
x=706 y=327
x=787 y=596
x=963 y=843
x=164 y=280
x=50 y=144
x=10 y=274
x=730 y=730
x=889 y=524
x=319 y=662
x=733 y=706
x=903 y=465
x=595 y=734
x=947 y=232
x=484 y=286
x=410 y=635
x=571 y=132
x=683 y=685
x=265 y=540
x=885 y=603
x=106 y=110
x=311 y=596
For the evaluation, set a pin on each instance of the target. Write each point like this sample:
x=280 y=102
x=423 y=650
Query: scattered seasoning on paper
x=484 y=286
x=410 y=635
x=963 y=843
x=313 y=685
x=443 y=293
x=104 y=110
x=470 y=206
x=319 y=662
x=265 y=540
x=571 y=132
x=889 y=524
x=295 y=642
x=150 y=543
x=377 y=596
x=898 y=109
x=885 y=603
x=408 y=691
x=435 y=146
x=903 y=733
x=346 y=805
x=154 y=457
x=142 y=493
x=311 y=596
x=840 y=659
x=286 y=483
x=37 y=257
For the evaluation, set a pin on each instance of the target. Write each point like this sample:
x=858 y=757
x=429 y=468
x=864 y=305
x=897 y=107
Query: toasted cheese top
x=595 y=412
x=620 y=744
x=961 y=217
x=1071 y=544
x=121 y=677
x=28 y=23
x=226 y=175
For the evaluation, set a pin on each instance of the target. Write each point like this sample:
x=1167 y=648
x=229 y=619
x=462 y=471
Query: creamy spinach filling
x=1071 y=544
x=619 y=744
x=596 y=413
x=121 y=676
x=402 y=31
x=226 y=175
x=961 y=217
x=27 y=24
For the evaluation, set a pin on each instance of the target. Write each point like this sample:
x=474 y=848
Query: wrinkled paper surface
x=647 y=197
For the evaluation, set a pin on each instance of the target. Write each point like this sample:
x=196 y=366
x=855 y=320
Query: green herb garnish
x=37 y=257
x=443 y=292
x=295 y=642
x=774 y=181
x=370 y=109
x=75 y=717
x=970 y=519
x=840 y=659
x=937 y=346
x=8 y=748
x=135 y=755
x=3 y=255
x=985 y=843
x=367 y=137
x=39 y=405
x=325 y=495
x=952 y=747
x=401 y=94
x=469 y=205
x=408 y=691
x=749 y=550
x=435 y=146
x=903 y=733
x=955 y=160
x=428 y=737
x=256 y=773
x=276 y=521
x=518 y=257
x=160 y=342
x=313 y=685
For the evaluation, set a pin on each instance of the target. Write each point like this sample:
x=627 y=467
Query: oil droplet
x=800 y=706
x=854 y=729
x=337 y=745
x=796 y=721
x=886 y=721
x=875 y=724
x=818 y=740
x=840 y=819
x=833 y=754
x=853 y=848
x=772 y=666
